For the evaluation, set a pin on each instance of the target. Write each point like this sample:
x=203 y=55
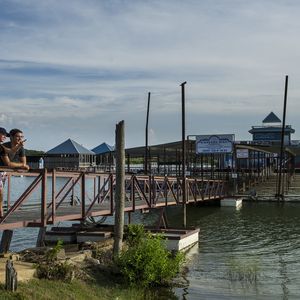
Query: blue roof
x=271 y=118
x=103 y=148
x=69 y=147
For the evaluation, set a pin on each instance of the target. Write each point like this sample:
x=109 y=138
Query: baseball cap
x=3 y=131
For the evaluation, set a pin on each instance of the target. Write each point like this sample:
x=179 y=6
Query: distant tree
x=34 y=152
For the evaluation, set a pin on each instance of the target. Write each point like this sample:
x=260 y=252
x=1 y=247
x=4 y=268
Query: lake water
x=264 y=237
x=261 y=236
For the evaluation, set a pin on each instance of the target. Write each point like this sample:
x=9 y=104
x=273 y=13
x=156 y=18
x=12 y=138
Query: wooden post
x=53 y=195
x=146 y=137
x=99 y=187
x=280 y=191
x=5 y=241
x=83 y=196
x=11 y=281
x=120 y=189
x=183 y=145
x=40 y=242
x=44 y=198
x=95 y=186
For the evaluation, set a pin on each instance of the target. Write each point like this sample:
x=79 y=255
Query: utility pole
x=183 y=145
x=280 y=190
x=120 y=189
x=146 y=136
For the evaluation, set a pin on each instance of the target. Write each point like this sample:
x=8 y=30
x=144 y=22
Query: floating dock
x=176 y=239
x=232 y=202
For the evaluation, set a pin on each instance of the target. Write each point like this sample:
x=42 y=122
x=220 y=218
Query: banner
x=242 y=153
x=209 y=144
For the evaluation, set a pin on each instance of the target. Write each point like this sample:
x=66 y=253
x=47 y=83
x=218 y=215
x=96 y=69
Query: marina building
x=69 y=155
x=270 y=131
x=104 y=156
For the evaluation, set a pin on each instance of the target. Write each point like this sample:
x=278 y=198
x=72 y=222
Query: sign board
x=242 y=153
x=209 y=144
x=234 y=175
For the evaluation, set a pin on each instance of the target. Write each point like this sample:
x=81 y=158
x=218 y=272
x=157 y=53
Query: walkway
x=75 y=201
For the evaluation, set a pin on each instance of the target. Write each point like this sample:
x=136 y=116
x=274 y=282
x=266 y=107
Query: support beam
x=6 y=240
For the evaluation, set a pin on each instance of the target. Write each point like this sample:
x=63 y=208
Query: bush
x=146 y=260
x=52 y=269
x=56 y=271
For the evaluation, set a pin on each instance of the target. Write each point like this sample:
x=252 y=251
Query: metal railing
x=73 y=199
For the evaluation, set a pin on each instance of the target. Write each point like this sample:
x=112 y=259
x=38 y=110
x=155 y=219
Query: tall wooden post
x=280 y=191
x=44 y=198
x=120 y=189
x=183 y=153
x=146 y=137
x=83 y=196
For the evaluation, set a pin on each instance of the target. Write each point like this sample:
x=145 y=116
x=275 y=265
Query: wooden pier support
x=40 y=242
x=6 y=240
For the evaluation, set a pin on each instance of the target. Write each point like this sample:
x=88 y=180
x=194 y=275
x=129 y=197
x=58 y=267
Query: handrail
x=22 y=198
x=143 y=192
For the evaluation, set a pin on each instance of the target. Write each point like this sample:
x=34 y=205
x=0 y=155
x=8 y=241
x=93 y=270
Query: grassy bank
x=144 y=263
x=46 y=289
x=77 y=289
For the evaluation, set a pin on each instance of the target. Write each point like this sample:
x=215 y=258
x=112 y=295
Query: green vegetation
x=79 y=290
x=135 y=160
x=146 y=261
x=99 y=285
x=243 y=271
x=52 y=269
x=34 y=152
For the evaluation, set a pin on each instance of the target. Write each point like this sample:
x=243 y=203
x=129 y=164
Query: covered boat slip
x=166 y=159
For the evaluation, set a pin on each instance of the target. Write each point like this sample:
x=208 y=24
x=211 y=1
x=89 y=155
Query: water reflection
x=266 y=234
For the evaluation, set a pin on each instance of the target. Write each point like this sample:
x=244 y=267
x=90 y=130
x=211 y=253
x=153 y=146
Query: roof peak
x=69 y=146
x=271 y=118
x=103 y=148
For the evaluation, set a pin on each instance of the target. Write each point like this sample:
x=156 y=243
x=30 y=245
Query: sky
x=74 y=69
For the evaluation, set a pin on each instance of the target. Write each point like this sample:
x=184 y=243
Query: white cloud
x=76 y=68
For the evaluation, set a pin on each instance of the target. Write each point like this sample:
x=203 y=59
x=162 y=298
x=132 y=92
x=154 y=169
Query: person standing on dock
x=9 y=152
x=3 y=136
x=15 y=153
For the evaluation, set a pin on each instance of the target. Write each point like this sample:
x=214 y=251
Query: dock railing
x=52 y=196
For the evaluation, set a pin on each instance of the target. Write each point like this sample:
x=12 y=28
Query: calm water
x=261 y=235
x=264 y=235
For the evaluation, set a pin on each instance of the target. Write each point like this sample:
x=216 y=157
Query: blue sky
x=73 y=69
